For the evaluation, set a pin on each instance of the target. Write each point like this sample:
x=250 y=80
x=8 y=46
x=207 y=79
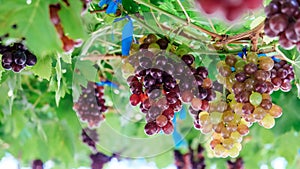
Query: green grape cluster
x=248 y=84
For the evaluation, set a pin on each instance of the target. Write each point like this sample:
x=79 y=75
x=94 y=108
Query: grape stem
x=96 y=57
x=183 y=21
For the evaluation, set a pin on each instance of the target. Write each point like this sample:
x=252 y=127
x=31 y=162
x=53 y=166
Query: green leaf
x=287 y=145
x=130 y=6
x=71 y=19
x=43 y=68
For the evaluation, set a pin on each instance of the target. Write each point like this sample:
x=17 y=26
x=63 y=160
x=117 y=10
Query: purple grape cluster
x=99 y=159
x=89 y=137
x=283 y=20
x=238 y=164
x=281 y=76
x=194 y=159
x=91 y=105
x=163 y=81
x=37 y=164
x=16 y=57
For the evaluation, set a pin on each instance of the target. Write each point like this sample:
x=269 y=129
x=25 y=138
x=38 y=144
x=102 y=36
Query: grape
x=31 y=59
x=187 y=96
x=278 y=22
x=134 y=99
x=98 y=160
x=228 y=116
x=168 y=128
x=90 y=105
x=19 y=57
x=275 y=111
x=243 y=129
x=230 y=60
x=236 y=136
x=89 y=137
x=37 y=164
x=261 y=75
x=228 y=143
x=225 y=70
x=7 y=58
x=266 y=104
x=289 y=7
x=215 y=117
x=268 y=31
x=238 y=87
x=297 y=27
x=207 y=83
x=145 y=62
x=285 y=43
x=196 y=104
x=267 y=122
x=151 y=128
x=188 y=59
x=163 y=43
x=255 y=99
x=241 y=76
x=250 y=68
x=17 y=68
x=272 y=9
x=161 y=120
x=290 y=34
x=209 y=6
x=239 y=65
x=247 y=108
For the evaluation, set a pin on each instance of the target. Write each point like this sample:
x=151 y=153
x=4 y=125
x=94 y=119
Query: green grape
x=204 y=118
x=259 y=113
x=237 y=118
x=236 y=136
x=228 y=143
x=265 y=63
x=228 y=116
x=215 y=117
x=238 y=108
x=239 y=65
x=233 y=152
x=255 y=98
x=268 y=121
x=238 y=146
x=219 y=150
x=154 y=48
x=225 y=133
x=231 y=126
x=206 y=129
x=252 y=57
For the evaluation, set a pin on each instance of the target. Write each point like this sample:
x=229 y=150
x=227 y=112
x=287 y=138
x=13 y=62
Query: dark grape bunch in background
x=163 y=81
x=37 y=164
x=283 y=20
x=99 y=159
x=16 y=57
x=281 y=75
x=91 y=105
x=89 y=137
x=230 y=9
x=193 y=159
x=237 y=164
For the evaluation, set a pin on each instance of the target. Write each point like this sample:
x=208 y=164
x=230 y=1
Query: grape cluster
x=37 y=164
x=68 y=43
x=281 y=76
x=238 y=164
x=230 y=9
x=283 y=20
x=16 y=57
x=91 y=105
x=163 y=81
x=226 y=127
x=194 y=159
x=99 y=159
x=89 y=137
x=249 y=84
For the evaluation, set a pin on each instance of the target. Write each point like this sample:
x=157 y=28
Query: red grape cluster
x=89 y=137
x=238 y=164
x=230 y=9
x=281 y=76
x=162 y=82
x=194 y=159
x=99 y=159
x=283 y=20
x=37 y=164
x=90 y=105
x=68 y=43
x=16 y=57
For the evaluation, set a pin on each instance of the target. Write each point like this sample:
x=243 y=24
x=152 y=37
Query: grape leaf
x=43 y=68
x=71 y=19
